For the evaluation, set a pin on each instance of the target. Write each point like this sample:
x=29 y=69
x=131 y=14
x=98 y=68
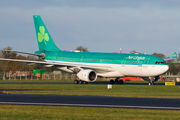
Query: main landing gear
x=80 y=82
x=116 y=81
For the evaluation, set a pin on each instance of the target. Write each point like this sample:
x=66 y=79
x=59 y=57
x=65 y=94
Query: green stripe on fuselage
x=109 y=58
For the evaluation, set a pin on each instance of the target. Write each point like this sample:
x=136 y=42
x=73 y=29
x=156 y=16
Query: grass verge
x=20 y=112
x=157 y=91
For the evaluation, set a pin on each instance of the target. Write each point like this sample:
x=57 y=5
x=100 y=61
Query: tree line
x=6 y=66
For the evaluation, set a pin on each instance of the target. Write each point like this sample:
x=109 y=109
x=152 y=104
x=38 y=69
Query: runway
x=90 y=101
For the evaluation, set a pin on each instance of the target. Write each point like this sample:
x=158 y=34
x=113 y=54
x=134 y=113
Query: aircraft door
x=124 y=68
x=123 y=62
x=146 y=61
x=54 y=56
x=81 y=60
x=145 y=67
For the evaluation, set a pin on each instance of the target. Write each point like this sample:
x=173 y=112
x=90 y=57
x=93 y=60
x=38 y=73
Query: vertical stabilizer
x=45 y=42
x=174 y=55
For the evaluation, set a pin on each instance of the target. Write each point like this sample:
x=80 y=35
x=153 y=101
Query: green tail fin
x=174 y=55
x=45 y=42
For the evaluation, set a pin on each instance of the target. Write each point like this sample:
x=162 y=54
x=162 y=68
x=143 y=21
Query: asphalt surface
x=90 y=101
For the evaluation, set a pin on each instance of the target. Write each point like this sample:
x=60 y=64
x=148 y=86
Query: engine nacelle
x=87 y=75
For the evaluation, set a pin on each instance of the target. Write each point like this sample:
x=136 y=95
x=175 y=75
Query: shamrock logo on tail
x=42 y=35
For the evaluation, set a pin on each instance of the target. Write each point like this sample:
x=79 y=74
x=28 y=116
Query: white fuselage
x=121 y=70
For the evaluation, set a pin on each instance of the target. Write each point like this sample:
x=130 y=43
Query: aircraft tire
x=151 y=83
x=85 y=82
x=80 y=82
x=111 y=81
x=116 y=82
x=121 y=82
x=76 y=82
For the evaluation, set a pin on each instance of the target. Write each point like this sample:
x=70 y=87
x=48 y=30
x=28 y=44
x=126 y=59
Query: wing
x=63 y=64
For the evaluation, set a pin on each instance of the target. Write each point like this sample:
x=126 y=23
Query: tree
x=159 y=55
x=133 y=52
x=7 y=53
x=178 y=57
x=6 y=66
x=82 y=49
x=173 y=69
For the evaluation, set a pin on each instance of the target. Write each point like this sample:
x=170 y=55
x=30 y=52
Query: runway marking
x=91 y=105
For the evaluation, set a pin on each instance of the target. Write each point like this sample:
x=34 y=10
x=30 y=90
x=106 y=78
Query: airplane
x=90 y=65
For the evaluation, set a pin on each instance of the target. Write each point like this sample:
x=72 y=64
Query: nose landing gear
x=151 y=83
x=153 y=79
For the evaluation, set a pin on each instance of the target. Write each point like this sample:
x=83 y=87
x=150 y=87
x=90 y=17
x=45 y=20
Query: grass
x=20 y=112
x=157 y=91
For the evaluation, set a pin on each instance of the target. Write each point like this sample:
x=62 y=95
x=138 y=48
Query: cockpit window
x=160 y=62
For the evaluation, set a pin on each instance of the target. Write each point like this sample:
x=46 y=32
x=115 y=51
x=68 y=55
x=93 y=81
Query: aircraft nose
x=165 y=68
x=159 y=70
x=162 y=69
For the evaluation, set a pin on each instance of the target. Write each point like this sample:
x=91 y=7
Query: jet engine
x=87 y=75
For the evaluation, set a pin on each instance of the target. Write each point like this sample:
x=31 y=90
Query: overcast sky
x=146 y=26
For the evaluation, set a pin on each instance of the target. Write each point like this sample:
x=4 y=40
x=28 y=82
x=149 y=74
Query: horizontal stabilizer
x=39 y=55
x=173 y=57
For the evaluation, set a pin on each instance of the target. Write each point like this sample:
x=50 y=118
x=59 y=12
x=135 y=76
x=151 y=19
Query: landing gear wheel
x=80 y=82
x=116 y=81
x=152 y=83
x=111 y=81
x=76 y=82
x=85 y=82
x=121 y=82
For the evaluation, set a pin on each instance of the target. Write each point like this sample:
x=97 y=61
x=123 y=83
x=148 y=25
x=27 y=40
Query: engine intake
x=87 y=75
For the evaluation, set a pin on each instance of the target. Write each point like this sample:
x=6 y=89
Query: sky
x=146 y=26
